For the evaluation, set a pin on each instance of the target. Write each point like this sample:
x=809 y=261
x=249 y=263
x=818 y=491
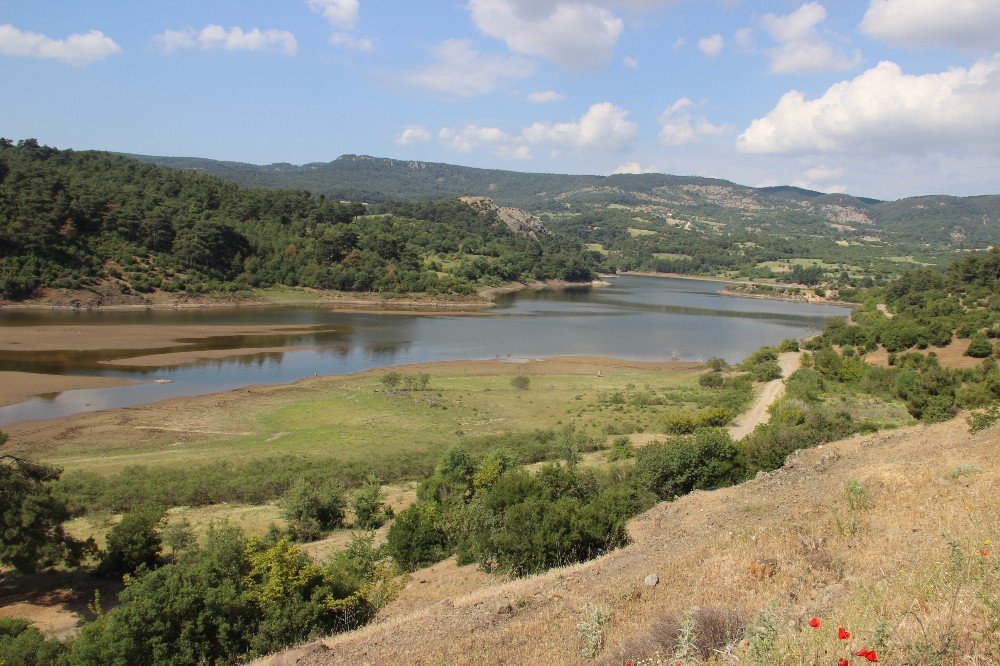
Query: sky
x=881 y=98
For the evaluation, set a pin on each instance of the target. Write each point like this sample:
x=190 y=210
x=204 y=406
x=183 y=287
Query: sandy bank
x=19 y=386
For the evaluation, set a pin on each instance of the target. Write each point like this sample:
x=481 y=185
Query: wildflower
x=843 y=634
x=984 y=553
x=871 y=656
x=843 y=662
x=814 y=623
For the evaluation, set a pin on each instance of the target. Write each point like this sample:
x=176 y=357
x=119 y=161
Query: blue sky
x=885 y=98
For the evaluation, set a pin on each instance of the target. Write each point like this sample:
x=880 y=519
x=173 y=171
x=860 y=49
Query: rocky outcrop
x=517 y=220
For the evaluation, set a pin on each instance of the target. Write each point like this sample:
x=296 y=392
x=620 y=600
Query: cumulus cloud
x=633 y=168
x=884 y=111
x=800 y=45
x=680 y=125
x=604 y=125
x=711 y=46
x=76 y=49
x=580 y=35
x=413 y=134
x=463 y=71
x=546 y=97
x=960 y=23
x=343 y=16
x=215 y=37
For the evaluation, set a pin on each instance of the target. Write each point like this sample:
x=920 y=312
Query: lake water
x=637 y=318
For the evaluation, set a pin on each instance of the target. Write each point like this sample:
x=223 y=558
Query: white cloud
x=546 y=97
x=711 y=46
x=604 y=125
x=801 y=47
x=413 y=134
x=960 y=23
x=824 y=173
x=463 y=71
x=581 y=35
x=743 y=39
x=630 y=62
x=341 y=14
x=214 y=37
x=76 y=49
x=680 y=126
x=349 y=41
x=884 y=111
x=634 y=168
x=678 y=43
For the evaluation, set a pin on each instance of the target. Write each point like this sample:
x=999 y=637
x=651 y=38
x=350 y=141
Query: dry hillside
x=906 y=567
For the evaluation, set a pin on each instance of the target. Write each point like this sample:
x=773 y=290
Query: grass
x=349 y=418
x=634 y=232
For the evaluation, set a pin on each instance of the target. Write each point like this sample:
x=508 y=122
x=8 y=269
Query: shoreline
x=541 y=366
x=339 y=300
x=747 y=283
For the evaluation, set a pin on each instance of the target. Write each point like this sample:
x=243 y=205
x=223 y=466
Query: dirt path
x=772 y=391
x=885 y=310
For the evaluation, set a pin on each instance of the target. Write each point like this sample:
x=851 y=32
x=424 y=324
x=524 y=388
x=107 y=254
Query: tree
x=134 y=542
x=31 y=517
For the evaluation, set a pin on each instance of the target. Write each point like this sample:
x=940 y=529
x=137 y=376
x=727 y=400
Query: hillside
x=971 y=222
x=900 y=568
x=123 y=229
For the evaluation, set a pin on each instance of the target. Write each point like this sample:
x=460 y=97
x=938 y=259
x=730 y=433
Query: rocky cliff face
x=517 y=220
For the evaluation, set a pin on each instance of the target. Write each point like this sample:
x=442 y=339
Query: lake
x=635 y=317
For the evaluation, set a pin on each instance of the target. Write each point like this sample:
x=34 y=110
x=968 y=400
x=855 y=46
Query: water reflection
x=639 y=318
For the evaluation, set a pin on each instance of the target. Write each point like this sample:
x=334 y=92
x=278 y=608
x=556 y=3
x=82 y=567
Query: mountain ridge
x=966 y=222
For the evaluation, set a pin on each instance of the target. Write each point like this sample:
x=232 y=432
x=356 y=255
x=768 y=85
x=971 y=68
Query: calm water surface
x=637 y=318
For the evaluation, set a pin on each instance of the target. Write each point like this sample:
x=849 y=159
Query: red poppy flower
x=843 y=634
x=814 y=623
x=984 y=553
x=863 y=652
x=871 y=656
x=843 y=662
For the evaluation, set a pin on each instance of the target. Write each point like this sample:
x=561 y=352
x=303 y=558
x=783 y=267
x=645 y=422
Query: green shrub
x=711 y=380
x=520 y=382
x=416 y=536
x=21 y=644
x=709 y=459
x=980 y=347
x=717 y=364
x=134 y=542
x=313 y=508
x=370 y=512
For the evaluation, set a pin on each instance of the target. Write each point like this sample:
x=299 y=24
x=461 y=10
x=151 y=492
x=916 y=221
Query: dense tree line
x=70 y=219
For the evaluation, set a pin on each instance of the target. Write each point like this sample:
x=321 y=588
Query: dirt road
x=772 y=391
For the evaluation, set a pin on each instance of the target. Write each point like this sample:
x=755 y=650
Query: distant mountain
x=961 y=222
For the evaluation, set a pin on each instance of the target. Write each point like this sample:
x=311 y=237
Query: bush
x=709 y=459
x=391 y=379
x=789 y=345
x=370 y=512
x=312 y=509
x=980 y=347
x=717 y=364
x=21 y=644
x=520 y=382
x=134 y=542
x=416 y=537
x=711 y=380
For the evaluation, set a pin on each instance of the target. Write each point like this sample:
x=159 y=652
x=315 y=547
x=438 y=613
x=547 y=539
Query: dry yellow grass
x=886 y=570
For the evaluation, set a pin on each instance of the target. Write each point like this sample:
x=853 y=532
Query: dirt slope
x=926 y=486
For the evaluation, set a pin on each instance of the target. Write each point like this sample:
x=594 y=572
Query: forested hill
x=968 y=222
x=72 y=219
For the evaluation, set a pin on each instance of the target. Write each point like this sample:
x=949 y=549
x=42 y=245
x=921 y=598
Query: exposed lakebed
x=635 y=317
